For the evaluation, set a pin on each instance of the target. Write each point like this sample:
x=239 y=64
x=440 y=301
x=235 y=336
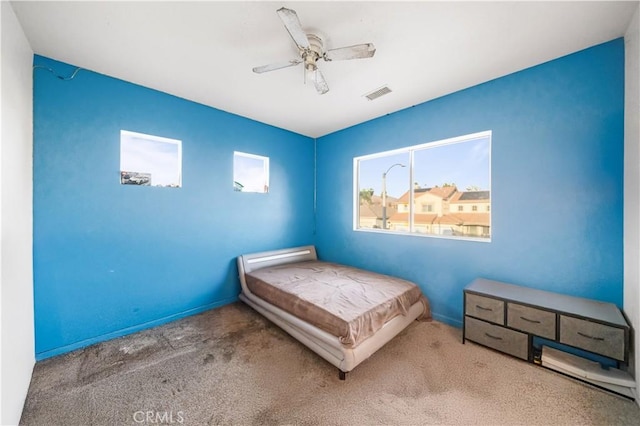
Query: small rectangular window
x=250 y=173
x=148 y=160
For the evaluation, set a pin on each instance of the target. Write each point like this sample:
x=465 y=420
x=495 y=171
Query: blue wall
x=111 y=259
x=557 y=175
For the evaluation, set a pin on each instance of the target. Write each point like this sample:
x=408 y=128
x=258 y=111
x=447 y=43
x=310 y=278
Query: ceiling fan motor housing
x=313 y=53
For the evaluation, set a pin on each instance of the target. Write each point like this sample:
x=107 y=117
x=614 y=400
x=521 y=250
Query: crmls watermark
x=158 y=417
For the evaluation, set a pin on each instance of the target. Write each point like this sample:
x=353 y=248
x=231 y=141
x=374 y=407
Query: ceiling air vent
x=377 y=93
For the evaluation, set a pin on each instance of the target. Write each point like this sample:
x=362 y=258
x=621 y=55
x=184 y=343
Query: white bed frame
x=319 y=341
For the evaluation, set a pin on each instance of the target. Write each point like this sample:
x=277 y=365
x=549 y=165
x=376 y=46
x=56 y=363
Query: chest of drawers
x=507 y=317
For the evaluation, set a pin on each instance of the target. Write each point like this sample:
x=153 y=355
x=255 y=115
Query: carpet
x=230 y=366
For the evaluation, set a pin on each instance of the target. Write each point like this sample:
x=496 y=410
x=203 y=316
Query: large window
x=440 y=188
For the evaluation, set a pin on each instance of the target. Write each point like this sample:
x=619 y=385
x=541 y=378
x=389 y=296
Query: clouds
x=251 y=171
x=161 y=157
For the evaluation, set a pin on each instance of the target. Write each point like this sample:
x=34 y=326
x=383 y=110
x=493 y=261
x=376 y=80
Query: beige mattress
x=349 y=303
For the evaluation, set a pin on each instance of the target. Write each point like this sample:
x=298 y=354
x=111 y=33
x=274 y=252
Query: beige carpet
x=231 y=366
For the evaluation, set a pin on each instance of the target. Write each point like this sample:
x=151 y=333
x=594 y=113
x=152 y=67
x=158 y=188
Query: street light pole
x=384 y=194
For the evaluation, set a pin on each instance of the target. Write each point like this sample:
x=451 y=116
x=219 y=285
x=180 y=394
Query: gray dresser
x=506 y=317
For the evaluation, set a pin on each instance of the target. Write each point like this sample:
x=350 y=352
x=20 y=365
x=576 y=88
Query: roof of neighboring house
x=404 y=199
x=475 y=195
x=374 y=209
x=447 y=219
x=471 y=197
x=473 y=218
x=377 y=199
x=370 y=210
x=419 y=218
x=443 y=192
x=450 y=219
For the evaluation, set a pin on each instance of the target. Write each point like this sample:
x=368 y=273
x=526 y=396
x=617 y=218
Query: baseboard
x=447 y=320
x=129 y=330
x=125 y=331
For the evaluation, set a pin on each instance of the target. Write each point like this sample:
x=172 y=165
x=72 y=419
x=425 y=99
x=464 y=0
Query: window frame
x=412 y=208
x=266 y=170
x=129 y=135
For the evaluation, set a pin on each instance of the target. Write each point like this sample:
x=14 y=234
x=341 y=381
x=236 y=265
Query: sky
x=143 y=154
x=251 y=172
x=465 y=164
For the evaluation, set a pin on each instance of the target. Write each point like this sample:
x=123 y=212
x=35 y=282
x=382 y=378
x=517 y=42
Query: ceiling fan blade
x=321 y=84
x=357 y=51
x=273 y=67
x=292 y=24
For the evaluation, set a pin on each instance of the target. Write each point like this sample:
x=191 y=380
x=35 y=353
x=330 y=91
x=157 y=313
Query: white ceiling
x=205 y=51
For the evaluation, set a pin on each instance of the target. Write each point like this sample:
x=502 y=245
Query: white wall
x=17 y=353
x=632 y=185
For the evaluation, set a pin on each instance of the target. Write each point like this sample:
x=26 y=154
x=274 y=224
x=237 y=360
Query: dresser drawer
x=493 y=336
x=484 y=307
x=594 y=337
x=535 y=321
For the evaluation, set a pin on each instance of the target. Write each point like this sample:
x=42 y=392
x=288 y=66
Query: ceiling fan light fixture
x=309 y=71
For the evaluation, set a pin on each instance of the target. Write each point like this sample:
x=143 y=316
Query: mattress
x=349 y=303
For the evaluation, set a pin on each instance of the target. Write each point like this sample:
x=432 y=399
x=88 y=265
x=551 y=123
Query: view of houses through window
x=440 y=188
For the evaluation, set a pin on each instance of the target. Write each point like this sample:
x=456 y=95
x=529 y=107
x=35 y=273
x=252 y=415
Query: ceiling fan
x=311 y=49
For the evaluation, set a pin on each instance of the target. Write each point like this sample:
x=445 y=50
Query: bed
x=341 y=313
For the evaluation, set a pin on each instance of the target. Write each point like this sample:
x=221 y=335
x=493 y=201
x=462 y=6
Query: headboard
x=265 y=259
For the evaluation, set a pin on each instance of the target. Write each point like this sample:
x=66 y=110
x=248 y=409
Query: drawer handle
x=482 y=308
x=493 y=337
x=530 y=320
x=600 y=339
